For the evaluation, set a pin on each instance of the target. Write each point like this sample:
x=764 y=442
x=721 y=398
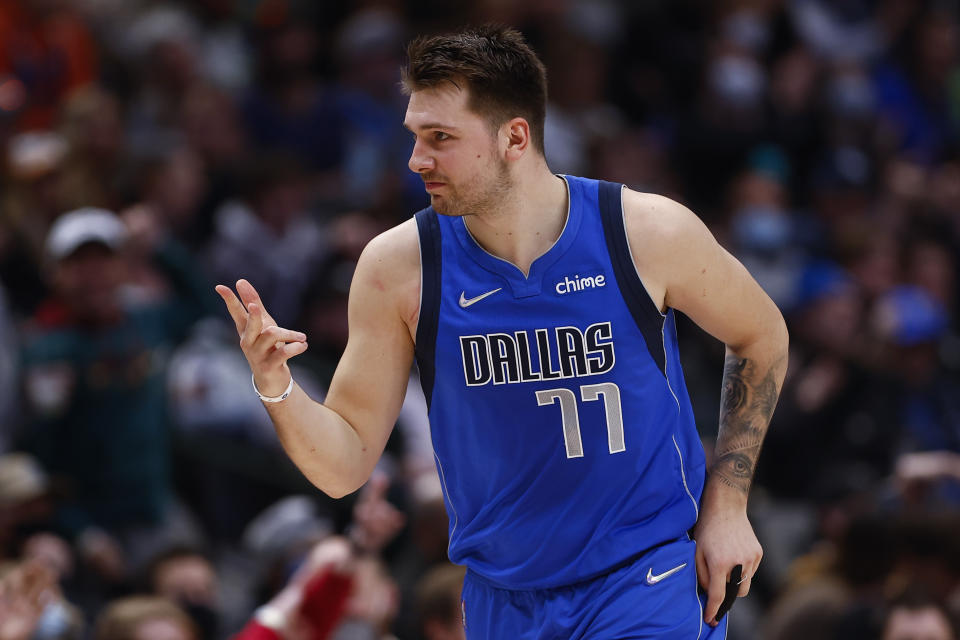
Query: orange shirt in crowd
x=44 y=56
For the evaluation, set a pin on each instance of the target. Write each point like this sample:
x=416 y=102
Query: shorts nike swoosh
x=654 y=579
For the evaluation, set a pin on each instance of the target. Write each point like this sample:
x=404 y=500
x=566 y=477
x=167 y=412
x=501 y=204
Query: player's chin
x=442 y=205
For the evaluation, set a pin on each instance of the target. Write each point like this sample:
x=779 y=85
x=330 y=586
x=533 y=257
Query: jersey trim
x=431 y=258
x=683 y=476
x=520 y=284
x=645 y=313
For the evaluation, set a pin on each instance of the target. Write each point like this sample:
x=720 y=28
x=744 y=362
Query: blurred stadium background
x=818 y=139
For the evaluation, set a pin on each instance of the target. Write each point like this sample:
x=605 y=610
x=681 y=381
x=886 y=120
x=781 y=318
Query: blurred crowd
x=150 y=149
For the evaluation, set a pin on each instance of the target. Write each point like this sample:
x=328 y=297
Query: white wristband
x=279 y=398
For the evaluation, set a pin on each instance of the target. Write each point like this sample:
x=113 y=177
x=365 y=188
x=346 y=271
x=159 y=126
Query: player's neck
x=528 y=221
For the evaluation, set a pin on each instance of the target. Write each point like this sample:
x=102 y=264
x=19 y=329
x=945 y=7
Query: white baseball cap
x=80 y=226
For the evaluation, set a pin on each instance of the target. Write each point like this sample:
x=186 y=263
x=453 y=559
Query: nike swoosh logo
x=654 y=579
x=466 y=303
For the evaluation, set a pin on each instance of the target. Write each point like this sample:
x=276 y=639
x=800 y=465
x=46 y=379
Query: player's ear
x=517 y=134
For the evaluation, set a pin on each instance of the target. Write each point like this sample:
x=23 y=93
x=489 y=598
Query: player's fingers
x=234 y=307
x=289 y=335
x=703 y=572
x=279 y=355
x=279 y=334
x=273 y=337
x=745 y=584
x=715 y=593
x=254 y=326
x=749 y=570
x=248 y=294
x=292 y=349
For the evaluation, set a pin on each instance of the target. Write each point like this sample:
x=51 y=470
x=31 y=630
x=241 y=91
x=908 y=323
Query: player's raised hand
x=266 y=346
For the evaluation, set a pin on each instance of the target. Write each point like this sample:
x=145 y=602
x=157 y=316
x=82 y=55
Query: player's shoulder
x=656 y=217
x=663 y=235
x=389 y=267
x=397 y=248
x=661 y=229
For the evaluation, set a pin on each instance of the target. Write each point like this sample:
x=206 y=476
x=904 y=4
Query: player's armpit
x=683 y=267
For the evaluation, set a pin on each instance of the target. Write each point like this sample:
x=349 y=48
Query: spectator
x=281 y=537
x=185 y=576
x=46 y=52
x=369 y=49
x=835 y=418
x=32 y=607
x=439 y=613
x=91 y=125
x=173 y=183
x=34 y=194
x=94 y=381
x=25 y=501
x=913 y=88
x=913 y=322
x=313 y=602
x=144 y=618
x=577 y=115
x=275 y=207
x=211 y=125
x=61 y=619
x=162 y=41
x=289 y=109
x=372 y=606
x=225 y=50
x=762 y=230
x=914 y=616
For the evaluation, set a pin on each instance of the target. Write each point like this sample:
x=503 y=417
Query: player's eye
x=440 y=136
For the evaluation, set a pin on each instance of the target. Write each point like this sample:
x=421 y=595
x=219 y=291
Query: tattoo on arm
x=747 y=402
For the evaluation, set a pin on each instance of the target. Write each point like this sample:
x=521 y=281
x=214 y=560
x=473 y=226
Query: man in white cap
x=95 y=387
x=86 y=268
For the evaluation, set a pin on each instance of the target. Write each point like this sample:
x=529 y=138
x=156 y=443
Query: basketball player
x=540 y=310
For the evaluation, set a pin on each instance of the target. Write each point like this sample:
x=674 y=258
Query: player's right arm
x=337 y=444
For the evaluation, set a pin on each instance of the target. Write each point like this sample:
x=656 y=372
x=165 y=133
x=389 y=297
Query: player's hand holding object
x=725 y=542
x=266 y=346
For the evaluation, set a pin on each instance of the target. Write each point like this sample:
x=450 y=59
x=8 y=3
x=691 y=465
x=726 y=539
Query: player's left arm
x=683 y=267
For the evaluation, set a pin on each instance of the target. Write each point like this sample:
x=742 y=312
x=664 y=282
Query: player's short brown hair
x=504 y=76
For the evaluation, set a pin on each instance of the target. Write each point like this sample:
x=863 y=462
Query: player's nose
x=420 y=159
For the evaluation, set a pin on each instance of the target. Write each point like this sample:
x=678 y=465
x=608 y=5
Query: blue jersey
x=563 y=433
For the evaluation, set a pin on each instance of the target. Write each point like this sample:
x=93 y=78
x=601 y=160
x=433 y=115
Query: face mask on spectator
x=761 y=229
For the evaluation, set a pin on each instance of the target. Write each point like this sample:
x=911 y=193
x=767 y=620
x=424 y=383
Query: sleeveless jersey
x=563 y=432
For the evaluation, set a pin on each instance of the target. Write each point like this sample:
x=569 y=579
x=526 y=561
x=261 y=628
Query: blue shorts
x=649 y=598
